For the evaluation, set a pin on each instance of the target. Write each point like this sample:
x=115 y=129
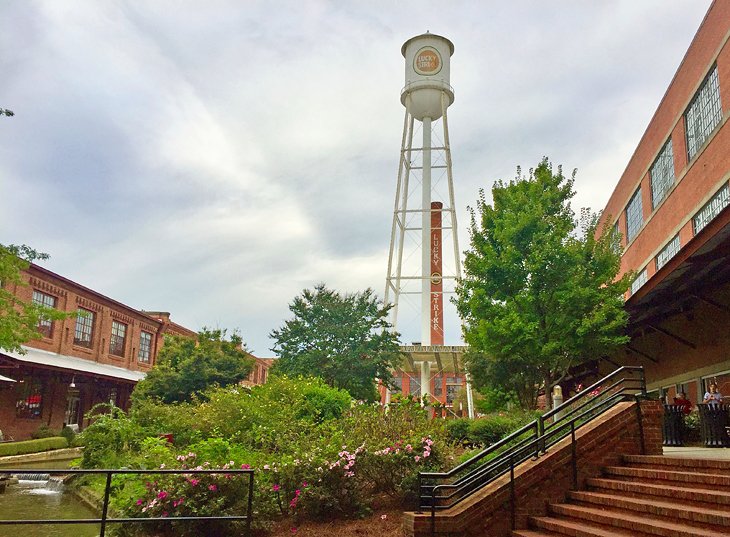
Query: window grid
x=84 y=328
x=116 y=342
x=145 y=344
x=638 y=282
x=414 y=386
x=662 y=174
x=45 y=325
x=634 y=216
x=668 y=252
x=711 y=209
x=703 y=114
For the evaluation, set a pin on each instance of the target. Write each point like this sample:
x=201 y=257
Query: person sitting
x=685 y=403
x=713 y=396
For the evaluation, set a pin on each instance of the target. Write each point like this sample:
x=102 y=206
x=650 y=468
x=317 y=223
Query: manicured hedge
x=32 y=446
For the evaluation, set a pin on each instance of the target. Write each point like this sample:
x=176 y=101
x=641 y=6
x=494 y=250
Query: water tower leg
x=426 y=235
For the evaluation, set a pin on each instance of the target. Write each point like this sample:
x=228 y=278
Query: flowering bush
x=191 y=494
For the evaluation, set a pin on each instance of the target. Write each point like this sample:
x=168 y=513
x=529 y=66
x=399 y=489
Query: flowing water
x=42 y=496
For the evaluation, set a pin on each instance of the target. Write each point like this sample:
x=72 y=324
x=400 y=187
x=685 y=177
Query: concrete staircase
x=645 y=496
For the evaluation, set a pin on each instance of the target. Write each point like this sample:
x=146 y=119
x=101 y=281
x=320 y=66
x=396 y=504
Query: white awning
x=72 y=364
x=6 y=379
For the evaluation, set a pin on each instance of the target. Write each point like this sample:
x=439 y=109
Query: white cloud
x=213 y=161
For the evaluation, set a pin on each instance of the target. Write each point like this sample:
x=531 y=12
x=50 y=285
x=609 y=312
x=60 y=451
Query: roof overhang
x=446 y=358
x=52 y=360
x=699 y=268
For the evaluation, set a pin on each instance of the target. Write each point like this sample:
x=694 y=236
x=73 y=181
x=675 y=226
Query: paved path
x=696 y=452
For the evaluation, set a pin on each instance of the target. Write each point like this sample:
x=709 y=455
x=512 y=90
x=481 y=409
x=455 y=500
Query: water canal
x=42 y=496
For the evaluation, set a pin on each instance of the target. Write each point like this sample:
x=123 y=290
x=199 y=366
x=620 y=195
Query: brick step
x=693 y=478
x=706 y=466
x=533 y=533
x=687 y=495
x=555 y=527
x=635 y=522
x=661 y=508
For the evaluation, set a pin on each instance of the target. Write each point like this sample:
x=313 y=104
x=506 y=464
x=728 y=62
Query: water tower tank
x=428 y=59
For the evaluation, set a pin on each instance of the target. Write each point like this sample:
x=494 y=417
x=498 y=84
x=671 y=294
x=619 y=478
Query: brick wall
x=547 y=480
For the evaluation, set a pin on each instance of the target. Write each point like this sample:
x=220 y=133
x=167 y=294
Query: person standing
x=713 y=396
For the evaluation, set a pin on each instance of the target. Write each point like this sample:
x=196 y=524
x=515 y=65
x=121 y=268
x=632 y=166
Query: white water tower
x=426 y=96
x=424 y=217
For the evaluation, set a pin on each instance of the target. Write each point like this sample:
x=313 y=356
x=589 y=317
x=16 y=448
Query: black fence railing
x=443 y=490
x=105 y=519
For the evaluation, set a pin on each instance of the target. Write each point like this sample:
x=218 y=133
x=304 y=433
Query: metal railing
x=443 y=490
x=105 y=519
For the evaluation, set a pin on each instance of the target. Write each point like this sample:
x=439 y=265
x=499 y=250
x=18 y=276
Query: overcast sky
x=213 y=159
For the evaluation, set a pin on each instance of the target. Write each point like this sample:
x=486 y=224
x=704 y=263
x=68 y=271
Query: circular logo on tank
x=427 y=61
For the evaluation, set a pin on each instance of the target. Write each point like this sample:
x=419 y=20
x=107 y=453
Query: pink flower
x=245 y=467
x=417 y=458
x=140 y=501
x=162 y=495
x=304 y=484
x=193 y=481
x=275 y=488
x=293 y=530
x=212 y=488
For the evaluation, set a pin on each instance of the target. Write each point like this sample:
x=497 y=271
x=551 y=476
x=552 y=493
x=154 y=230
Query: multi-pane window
x=414 y=386
x=662 y=174
x=711 y=209
x=704 y=113
x=668 y=252
x=438 y=386
x=638 y=282
x=119 y=335
x=29 y=403
x=453 y=386
x=84 y=328
x=45 y=325
x=145 y=345
x=634 y=216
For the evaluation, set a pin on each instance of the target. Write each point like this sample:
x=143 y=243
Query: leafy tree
x=540 y=292
x=344 y=339
x=19 y=320
x=186 y=367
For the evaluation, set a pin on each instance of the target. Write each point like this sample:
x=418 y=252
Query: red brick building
x=80 y=361
x=671 y=208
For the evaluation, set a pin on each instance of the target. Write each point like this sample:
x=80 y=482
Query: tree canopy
x=540 y=292
x=18 y=319
x=186 y=368
x=344 y=339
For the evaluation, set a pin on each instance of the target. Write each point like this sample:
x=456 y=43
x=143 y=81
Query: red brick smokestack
x=437 y=286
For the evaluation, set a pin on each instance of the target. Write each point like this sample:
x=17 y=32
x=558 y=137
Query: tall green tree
x=344 y=339
x=186 y=367
x=18 y=319
x=540 y=292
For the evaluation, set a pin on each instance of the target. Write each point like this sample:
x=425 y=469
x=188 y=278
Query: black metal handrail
x=105 y=519
x=530 y=441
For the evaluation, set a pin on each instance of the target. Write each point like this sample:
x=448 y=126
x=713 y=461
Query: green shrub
x=44 y=431
x=69 y=434
x=491 y=429
x=457 y=431
x=32 y=446
x=111 y=439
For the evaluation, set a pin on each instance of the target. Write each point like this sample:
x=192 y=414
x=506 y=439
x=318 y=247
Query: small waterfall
x=35 y=476
x=39 y=483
